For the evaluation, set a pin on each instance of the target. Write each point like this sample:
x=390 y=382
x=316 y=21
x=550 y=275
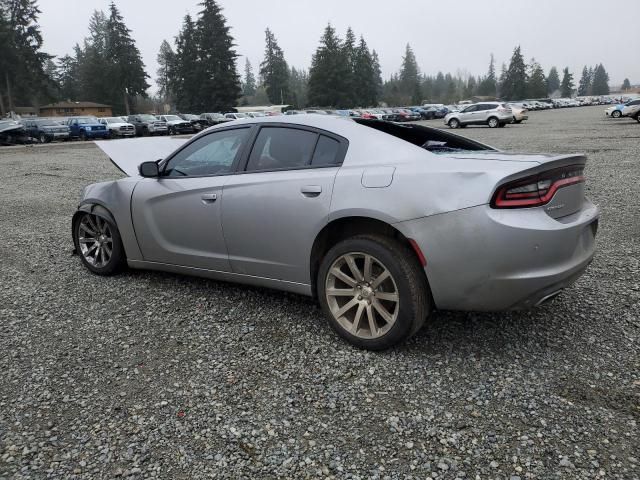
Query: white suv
x=493 y=114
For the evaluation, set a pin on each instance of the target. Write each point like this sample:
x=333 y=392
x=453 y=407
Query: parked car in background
x=86 y=128
x=316 y=112
x=118 y=128
x=235 y=116
x=382 y=223
x=631 y=108
x=493 y=114
x=520 y=113
x=214 y=118
x=293 y=112
x=176 y=124
x=146 y=125
x=256 y=114
x=348 y=113
x=13 y=132
x=46 y=130
x=197 y=123
x=614 y=111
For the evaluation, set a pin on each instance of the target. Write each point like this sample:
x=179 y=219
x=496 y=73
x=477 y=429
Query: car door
x=177 y=217
x=273 y=211
x=466 y=115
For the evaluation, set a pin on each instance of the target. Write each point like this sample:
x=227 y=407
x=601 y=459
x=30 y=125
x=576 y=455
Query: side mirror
x=149 y=170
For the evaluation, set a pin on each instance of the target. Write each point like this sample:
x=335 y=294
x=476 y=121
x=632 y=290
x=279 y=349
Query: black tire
x=117 y=260
x=616 y=114
x=638 y=118
x=83 y=135
x=414 y=297
x=171 y=131
x=454 y=123
x=145 y=132
x=43 y=138
x=517 y=121
x=493 y=122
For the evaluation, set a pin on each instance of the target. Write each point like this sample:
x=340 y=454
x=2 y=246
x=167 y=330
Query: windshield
x=88 y=120
x=113 y=120
x=172 y=118
x=148 y=118
x=240 y=115
x=47 y=123
x=258 y=114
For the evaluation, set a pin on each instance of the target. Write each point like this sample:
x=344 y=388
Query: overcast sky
x=449 y=36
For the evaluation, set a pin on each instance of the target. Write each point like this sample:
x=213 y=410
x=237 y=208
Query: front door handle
x=208 y=198
x=311 y=190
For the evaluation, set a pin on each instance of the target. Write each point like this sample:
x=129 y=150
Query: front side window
x=214 y=154
x=278 y=148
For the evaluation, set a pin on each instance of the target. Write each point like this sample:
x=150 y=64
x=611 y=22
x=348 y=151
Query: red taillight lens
x=538 y=189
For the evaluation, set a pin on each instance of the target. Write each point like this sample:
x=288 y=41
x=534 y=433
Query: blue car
x=85 y=128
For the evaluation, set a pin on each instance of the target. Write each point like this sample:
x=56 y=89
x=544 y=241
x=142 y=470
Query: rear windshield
x=431 y=139
x=47 y=123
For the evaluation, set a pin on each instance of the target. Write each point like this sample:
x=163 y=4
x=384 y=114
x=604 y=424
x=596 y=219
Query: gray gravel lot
x=151 y=374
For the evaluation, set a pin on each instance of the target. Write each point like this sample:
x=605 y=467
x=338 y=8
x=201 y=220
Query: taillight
x=538 y=189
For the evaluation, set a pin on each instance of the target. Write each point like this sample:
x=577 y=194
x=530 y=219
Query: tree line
x=198 y=72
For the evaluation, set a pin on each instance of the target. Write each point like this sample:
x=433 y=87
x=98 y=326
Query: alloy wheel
x=493 y=123
x=43 y=138
x=95 y=240
x=362 y=295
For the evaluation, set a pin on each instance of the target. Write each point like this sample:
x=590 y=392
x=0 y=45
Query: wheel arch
x=94 y=208
x=345 y=227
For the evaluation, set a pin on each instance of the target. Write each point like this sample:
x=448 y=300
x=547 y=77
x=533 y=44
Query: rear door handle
x=208 y=198
x=311 y=190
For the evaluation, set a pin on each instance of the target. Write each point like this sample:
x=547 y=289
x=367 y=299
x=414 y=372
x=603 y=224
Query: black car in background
x=45 y=130
x=197 y=123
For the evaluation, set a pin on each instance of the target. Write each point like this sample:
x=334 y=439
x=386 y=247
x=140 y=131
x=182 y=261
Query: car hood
x=121 y=124
x=128 y=154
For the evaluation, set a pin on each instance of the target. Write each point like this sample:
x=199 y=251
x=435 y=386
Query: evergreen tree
x=567 y=85
x=502 y=80
x=275 y=71
x=410 y=77
x=365 y=76
x=67 y=77
x=166 y=66
x=185 y=82
x=327 y=86
x=22 y=63
x=600 y=85
x=216 y=75
x=537 y=86
x=377 y=74
x=92 y=69
x=298 y=83
x=126 y=75
x=249 y=83
x=584 y=87
x=488 y=86
x=514 y=86
x=626 y=85
x=352 y=87
x=471 y=87
x=553 y=81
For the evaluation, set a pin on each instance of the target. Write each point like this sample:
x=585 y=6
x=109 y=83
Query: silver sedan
x=381 y=222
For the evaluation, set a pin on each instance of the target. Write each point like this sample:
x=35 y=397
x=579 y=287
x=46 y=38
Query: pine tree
x=166 y=66
x=327 y=86
x=584 y=87
x=352 y=87
x=23 y=78
x=537 y=86
x=67 y=77
x=219 y=83
x=377 y=74
x=626 y=85
x=185 y=82
x=275 y=71
x=126 y=75
x=514 y=86
x=92 y=69
x=488 y=86
x=365 y=76
x=600 y=85
x=567 y=85
x=410 y=77
x=298 y=83
x=249 y=83
x=553 y=81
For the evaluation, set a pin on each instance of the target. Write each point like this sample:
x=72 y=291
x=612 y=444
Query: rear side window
x=282 y=148
x=327 y=151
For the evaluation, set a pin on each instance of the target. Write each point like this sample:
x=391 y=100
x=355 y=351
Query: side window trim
x=342 y=153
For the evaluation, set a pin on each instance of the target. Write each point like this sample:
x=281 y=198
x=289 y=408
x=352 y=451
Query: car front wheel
x=493 y=122
x=98 y=243
x=616 y=114
x=373 y=291
x=454 y=123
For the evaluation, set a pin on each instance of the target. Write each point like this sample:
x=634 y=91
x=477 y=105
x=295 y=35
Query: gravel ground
x=151 y=374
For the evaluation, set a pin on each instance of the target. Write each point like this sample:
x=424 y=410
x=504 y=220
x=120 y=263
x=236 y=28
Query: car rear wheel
x=98 y=243
x=454 y=123
x=616 y=114
x=43 y=138
x=83 y=135
x=493 y=122
x=373 y=291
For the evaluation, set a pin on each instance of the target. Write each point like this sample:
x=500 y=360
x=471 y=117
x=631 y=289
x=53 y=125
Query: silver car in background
x=493 y=114
x=381 y=222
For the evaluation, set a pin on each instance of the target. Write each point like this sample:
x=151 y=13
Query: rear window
x=327 y=151
x=282 y=148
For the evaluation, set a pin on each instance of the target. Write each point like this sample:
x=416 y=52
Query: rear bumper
x=490 y=260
